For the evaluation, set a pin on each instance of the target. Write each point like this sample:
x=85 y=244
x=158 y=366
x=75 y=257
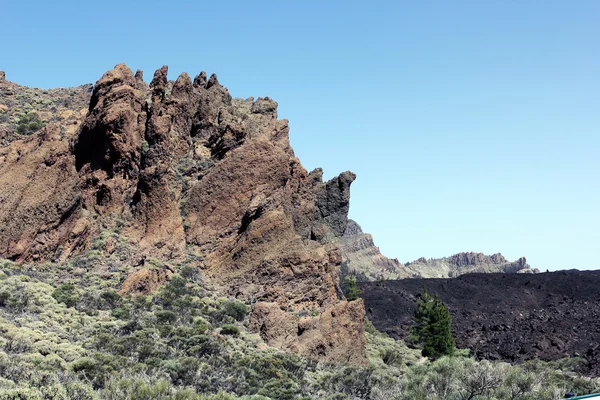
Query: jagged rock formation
x=464 y=263
x=322 y=336
x=363 y=259
x=183 y=168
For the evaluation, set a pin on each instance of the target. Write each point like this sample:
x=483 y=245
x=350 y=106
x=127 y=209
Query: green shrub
x=200 y=326
x=235 y=309
x=165 y=317
x=120 y=313
x=67 y=294
x=110 y=299
x=137 y=388
x=191 y=274
x=229 y=329
x=174 y=289
x=390 y=356
x=182 y=370
x=85 y=364
x=4 y=297
x=29 y=123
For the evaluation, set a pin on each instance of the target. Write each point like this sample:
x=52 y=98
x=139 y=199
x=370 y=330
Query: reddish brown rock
x=337 y=334
x=109 y=146
x=145 y=281
x=183 y=167
x=40 y=199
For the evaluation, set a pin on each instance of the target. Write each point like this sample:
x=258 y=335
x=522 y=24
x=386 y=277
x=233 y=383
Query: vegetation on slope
x=66 y=333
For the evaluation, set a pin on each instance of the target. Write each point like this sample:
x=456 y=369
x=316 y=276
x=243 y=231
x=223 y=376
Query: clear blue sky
x=472 y=125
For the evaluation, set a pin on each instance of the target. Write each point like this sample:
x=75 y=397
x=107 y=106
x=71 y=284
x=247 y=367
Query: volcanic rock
x=145 y=281
x=40 y=198
x=335 y=335
x=363 y=259
x=464 y=263
x=511 y=317
x=182 y=169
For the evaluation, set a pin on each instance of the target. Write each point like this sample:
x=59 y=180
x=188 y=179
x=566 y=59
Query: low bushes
x=29 y=123
x=85 y=341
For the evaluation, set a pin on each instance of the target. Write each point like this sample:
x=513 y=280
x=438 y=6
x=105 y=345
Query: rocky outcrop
x=145 y=281
x=336 y=334
x=463 y=263
x=25 y=110
x=363 y=259
x=183 y=169
x=40 y=197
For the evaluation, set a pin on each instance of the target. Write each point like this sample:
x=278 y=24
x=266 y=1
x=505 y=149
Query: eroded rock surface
x=336 y=334
x=183 y=169
x=465 y=263
x=145 y=281
x=363 y=259
x=511 y=317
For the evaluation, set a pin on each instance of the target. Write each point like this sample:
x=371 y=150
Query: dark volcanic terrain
x=511 y=317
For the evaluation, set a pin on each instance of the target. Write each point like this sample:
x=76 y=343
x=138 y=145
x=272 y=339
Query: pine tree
x=353 y=292
x=434 y=327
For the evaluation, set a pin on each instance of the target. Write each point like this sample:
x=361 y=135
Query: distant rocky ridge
x=363 y=259
x=465 y=263
x=180 y=170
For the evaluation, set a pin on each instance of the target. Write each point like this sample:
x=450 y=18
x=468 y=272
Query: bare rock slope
x=186 y=170
x=466 y=263
x=363 y=259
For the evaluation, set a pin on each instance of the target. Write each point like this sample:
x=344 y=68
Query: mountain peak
x=182 y=171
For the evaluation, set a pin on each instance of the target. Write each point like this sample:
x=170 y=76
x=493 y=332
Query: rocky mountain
x=465 y=263
x=363 y=259
x=163 y=241
x=180 y=171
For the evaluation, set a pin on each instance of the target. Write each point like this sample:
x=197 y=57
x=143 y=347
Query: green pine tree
x=353 y=292
x=434 y=327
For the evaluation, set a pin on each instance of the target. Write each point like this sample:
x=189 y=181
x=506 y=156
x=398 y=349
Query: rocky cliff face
x=185 y=170
x=464 y=263
x=363 y=259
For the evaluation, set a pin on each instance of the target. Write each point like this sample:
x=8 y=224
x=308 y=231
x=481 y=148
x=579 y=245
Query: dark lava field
x=510 y=317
